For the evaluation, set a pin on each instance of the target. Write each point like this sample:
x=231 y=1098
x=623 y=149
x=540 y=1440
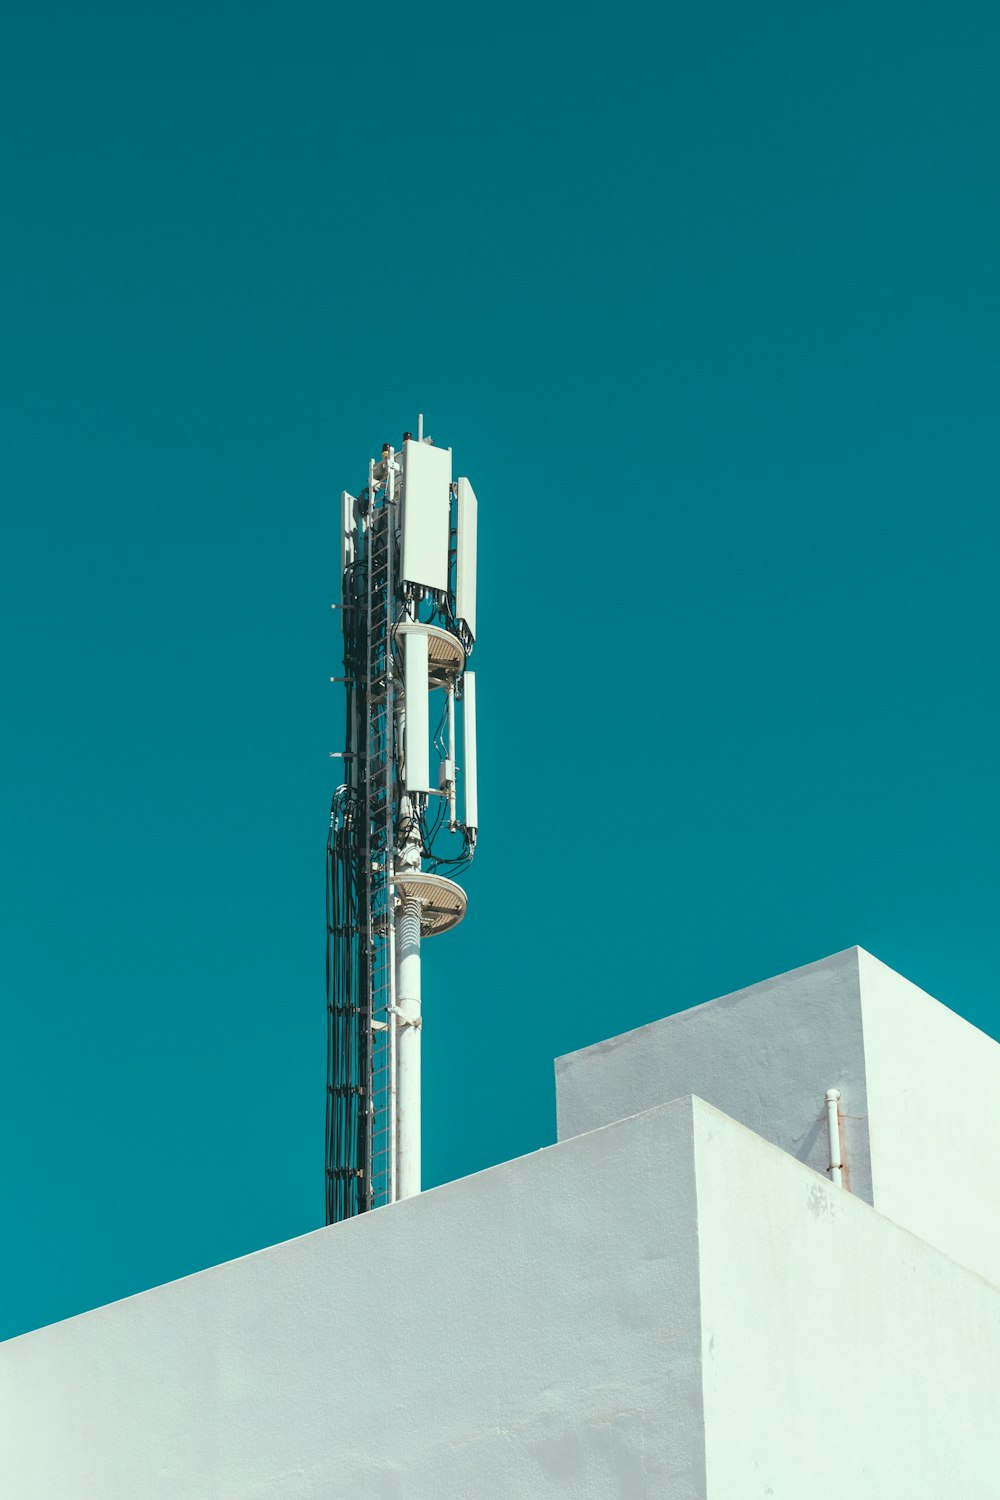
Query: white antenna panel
x=470 y=772
x=426 y=514
x=347 y=530
x=416 y=743
x=465 y=566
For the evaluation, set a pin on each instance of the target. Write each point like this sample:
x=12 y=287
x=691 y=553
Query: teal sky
x=706 y=300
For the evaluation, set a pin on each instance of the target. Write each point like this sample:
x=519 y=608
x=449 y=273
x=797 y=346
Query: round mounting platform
x=445 y=652
x=443 y=902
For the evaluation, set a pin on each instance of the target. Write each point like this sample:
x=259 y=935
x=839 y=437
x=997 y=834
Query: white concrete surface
x=765 y=1055
x=530 y=1331
x=842 y=1355
x=920 y=1089
x=933 y=1119
x=666 y=1307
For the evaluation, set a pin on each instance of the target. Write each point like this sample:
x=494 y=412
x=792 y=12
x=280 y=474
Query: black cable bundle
x=348 y=1063
x=347 y=956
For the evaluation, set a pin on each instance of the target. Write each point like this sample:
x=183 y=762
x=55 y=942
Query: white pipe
x=408 y=1022
x=836 y=1166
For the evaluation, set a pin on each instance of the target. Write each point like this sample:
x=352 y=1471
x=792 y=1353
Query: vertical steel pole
x=408 y=1022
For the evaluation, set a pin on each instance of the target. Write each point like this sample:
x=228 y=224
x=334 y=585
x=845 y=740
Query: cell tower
x=408 y=602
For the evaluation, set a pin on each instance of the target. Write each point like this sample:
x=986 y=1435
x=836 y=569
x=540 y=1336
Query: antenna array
x=408 y=572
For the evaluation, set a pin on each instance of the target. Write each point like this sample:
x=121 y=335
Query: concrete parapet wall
x=842 y=1354
x=530 y=1331
x=666 y=1307
x=920 y=1118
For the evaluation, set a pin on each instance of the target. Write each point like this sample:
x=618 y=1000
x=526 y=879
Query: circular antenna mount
x=442 y=902
x=445 y=652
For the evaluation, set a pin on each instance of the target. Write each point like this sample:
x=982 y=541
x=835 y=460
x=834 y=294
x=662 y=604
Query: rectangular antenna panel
x=426 y=514
x=465 y=567
x=416 y=738
x=348 y=530
x=469 y=770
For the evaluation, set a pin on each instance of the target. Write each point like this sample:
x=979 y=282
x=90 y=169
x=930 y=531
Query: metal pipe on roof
x=836 y=1167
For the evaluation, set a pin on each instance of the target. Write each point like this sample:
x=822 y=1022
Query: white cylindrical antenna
x=408 y=1048
x=420 y=427
x=469 y=769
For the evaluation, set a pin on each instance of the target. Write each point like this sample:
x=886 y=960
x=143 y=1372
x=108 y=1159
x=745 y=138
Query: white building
x=674 y=1301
